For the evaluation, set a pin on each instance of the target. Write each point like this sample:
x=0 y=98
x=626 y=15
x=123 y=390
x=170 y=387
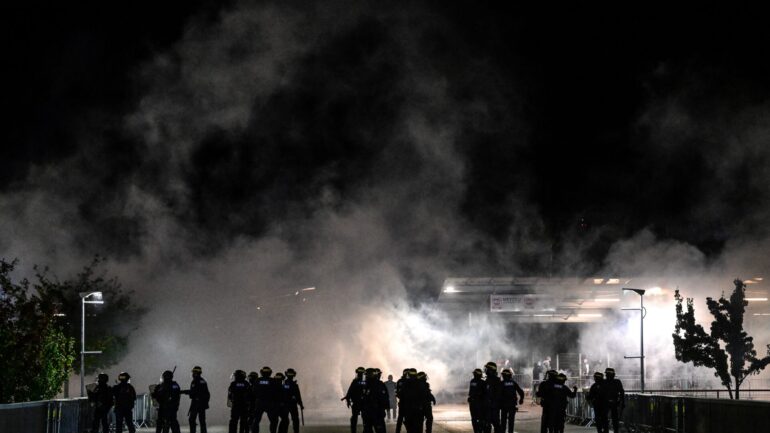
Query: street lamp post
x=641 y=309
x=97 y=296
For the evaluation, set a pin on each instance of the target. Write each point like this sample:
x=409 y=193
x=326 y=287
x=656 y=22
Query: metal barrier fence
x=680 y=414
x=64 y=415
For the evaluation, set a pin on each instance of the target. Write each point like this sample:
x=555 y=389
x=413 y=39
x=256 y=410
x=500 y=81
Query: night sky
x=559 y=132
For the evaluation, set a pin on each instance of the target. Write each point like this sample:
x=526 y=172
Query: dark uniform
x=493 y=395
x=253 y=378
x=427 y=411
x=616 y=397
x=293 y=399
x=597 y=397
x=557 y=395
x=125 y=397
x=476 y=401
x=543 y=391
x=281 y=403
x=399 y=415
x=267 y=394
x=101 y=399
x=412 y=400
x=511 y=390
x=353 y=397
x=199 y=400
x=167 y=393
x=374 y=403
x=238 y=398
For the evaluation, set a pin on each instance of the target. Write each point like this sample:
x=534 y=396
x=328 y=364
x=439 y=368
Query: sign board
x=514 y=303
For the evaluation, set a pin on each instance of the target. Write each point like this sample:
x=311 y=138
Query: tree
x=693 y=344
x=40 y=334
x=37 y=354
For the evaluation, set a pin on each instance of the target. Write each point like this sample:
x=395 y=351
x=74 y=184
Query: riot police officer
x=293 y=399
x=413 y=398
x=494 y=392
x=399 y=415
x=508 y=408
x=252 y=379
x=267 y=393
x=616 y=397
x=353 y=397
x=374 y=402
x=167 y=393
x=597 y=397
x=125 y=397
x=427 y=411
x=557 y=395
x=543 y=393
x=238 y=394
x=101 y=397
x=476 y=401
x=199 y=399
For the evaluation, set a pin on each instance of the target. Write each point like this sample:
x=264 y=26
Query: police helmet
x=551 y=374
x=413 y=373
x=102 y=378
x=197 y=370
x=239 y=375
x=290 y=372
x=422 y=376
x=253 y=375
x=124 y=377
x=266 y=371
x=561 y=377
x=477 y=373
x=598 y=375
x=405 y=373
x=167 y=375
x=507 y=372
x=490 y=367
x=609 y=372
x=360 y=370
x=279 y=376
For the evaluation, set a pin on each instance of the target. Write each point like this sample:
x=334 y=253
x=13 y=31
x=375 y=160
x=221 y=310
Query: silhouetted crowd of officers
x=608 y=400
x=254 y=395
x=493 y=399
x=368 y=397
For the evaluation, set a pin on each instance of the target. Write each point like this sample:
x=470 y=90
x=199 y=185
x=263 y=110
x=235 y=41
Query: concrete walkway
x=447 y=419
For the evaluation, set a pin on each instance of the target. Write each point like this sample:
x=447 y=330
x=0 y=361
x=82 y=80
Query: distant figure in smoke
x=391 y=386
x=508 y=408
x=597 y=397
x=586 y=368
x=293 y=400
x=353 y=397
x=537 y=371
x=557 y=395
x=494 y=394
x=267 y=392
x=543 y=393
x=546 y=364
x=199 y=399
x=374 y=402
x=413 y=400
x=616 y=397
x=476 y=401
x=167 y=393
x=399 y=384
x=125 y=397
x=100 y=397
x=431 y=400
x=238 y=399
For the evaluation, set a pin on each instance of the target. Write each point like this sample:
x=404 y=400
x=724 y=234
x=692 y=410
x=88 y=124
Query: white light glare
x=606 y=300
x=598 y=280
x=589 y=315
x=756 y=299
x=654 y=291
x=450 y=289
x=762 y=314
x=613 y=281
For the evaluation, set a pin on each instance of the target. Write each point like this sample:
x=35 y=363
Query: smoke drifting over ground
x=356 y=149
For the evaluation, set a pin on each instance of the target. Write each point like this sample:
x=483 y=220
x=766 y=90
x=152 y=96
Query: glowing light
x=589 y=315
x=756 y=299
x=654 y=291
x=450 y=289
x=308 y=289
x=59 y=315
x=758 y=278
x=613 y=281
x=598 y=280
x=606 y=300
x=750 y=282
x=762 y=314
x=542 y=315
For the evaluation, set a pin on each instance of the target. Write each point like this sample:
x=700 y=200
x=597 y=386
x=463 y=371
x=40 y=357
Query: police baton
x=302 y=414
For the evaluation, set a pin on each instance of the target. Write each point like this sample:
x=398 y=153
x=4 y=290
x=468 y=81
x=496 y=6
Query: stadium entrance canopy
x=565 y=300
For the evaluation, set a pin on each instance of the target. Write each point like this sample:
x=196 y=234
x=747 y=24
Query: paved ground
x=448 y=419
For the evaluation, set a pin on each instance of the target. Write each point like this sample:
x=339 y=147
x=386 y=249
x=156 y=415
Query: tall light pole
x=641 y=309
x=97 y=296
